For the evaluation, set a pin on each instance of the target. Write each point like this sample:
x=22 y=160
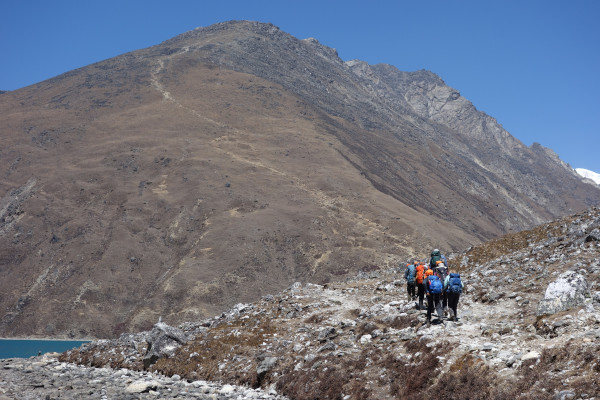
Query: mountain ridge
x=152 y=166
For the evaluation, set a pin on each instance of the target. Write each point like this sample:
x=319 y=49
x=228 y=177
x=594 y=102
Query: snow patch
x=589 y=174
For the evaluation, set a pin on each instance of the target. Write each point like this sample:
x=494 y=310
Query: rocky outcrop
x=162 y=341
x=10 y=205
x=568 y=291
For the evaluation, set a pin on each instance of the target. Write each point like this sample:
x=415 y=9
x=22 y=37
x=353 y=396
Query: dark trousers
x=453 y=302
x=434 y=301
x=421 y=294
x=410 y=289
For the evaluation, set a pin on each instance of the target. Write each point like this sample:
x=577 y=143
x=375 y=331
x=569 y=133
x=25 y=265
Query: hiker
x=428 y=273
x=410 y=275
x=434 y=288
x=453 y=286
x=435 y=256
x=442 y=271
x=420 y=283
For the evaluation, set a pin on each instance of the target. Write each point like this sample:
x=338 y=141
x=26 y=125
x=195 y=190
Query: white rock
x=532 y=355
x=364 y=339
x=567 y=291
x=142 y=386
x=227 y=389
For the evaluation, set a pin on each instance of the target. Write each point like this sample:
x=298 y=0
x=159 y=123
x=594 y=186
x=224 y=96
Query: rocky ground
x=528 y=328
x=45 y=377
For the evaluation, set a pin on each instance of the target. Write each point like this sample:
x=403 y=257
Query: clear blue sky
x=534 y=65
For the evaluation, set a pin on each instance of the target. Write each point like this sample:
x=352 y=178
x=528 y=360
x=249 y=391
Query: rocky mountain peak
x=326 y=51
x=240 y=136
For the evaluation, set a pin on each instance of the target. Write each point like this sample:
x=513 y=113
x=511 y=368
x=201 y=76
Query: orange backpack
x=420 y=274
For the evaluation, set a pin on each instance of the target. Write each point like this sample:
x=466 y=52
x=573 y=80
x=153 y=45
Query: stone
x=227 y=389
x=532 y=355
x=142 y=386
x=347 y=323
x=487 y=346
x=407 y=334
x=329 y=346
x=567 y=291
x=364 y=339
x=265 y=365
x=327 y=334
x=504 y=355
x=565 y=395
x=162 y=340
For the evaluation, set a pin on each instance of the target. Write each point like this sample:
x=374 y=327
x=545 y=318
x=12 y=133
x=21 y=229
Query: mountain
x=594 y=176
x=225 y=163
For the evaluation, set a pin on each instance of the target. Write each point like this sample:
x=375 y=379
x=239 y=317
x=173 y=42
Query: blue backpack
x=435 y=285
x=454 y=283
x=411 y=272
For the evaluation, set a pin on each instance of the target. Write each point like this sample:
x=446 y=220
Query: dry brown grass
x=402 y=322
x=468 y=379
x=319 y=379
x=371 y=374
x=101 y=359
x=315 y=319
x=200 y=358
x=510 y=243
x=573 y=367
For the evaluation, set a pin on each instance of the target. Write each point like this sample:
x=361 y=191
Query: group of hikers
x=434 y=281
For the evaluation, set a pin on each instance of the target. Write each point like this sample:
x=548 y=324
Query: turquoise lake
x=13 y=348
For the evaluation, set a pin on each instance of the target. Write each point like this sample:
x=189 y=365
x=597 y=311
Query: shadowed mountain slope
x=232 y=160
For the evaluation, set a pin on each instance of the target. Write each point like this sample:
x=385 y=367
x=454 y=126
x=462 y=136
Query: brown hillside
x=225 y=164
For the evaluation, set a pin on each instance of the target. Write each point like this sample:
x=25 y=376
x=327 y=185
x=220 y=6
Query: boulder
x=142 y=386
x=326 y=334
x=532 y=355
x=265 y=363
x=593 y=236
x=569 y=290
x=162 y=340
